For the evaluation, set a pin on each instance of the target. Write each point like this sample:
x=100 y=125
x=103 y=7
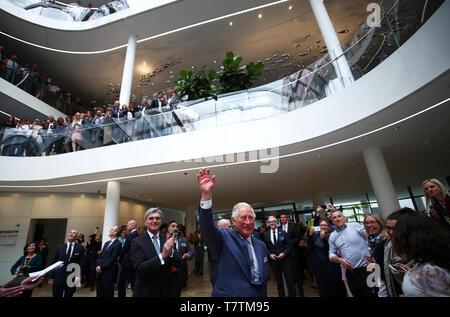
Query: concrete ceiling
x=277 y=32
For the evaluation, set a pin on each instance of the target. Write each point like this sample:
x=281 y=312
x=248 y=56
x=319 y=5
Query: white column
x=111 y=217
x=381 y=181
x=128 y=70
x=334 y=48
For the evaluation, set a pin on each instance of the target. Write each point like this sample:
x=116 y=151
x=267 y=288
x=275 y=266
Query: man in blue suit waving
x=243 y=269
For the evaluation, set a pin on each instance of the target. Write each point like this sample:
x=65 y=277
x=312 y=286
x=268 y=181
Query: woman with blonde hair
x=438 y=200
x=77 y=125
x=376 y=239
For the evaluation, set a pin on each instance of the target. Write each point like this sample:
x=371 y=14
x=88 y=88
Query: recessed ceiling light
x=231 y=23
x=290 y=7
x=260 y=16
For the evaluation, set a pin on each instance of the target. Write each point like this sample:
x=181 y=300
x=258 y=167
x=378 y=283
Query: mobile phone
x=316 y=229
x=397 y=268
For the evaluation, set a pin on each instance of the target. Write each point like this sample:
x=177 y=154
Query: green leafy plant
x=233 y=77
x=197 y=84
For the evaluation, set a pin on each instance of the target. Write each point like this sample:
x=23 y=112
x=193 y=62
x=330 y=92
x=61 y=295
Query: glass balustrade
x=70 y=12
x=364 y=49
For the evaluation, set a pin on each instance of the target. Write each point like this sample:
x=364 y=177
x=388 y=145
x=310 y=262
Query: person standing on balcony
x=11 y=67
x=77 y=125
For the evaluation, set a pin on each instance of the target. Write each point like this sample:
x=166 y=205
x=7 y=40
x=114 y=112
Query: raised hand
x=167 y=247
x=206 y=183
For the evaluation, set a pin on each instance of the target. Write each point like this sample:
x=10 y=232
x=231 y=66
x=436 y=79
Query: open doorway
x=52 y=230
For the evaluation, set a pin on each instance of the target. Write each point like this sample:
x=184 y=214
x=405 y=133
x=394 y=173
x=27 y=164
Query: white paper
x=50 y=268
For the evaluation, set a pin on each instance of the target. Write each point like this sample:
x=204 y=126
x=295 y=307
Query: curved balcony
x=399 y=88
x=305 y=87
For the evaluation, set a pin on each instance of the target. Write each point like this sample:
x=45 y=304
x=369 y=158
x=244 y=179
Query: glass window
x=402 y=192
x=406 y=203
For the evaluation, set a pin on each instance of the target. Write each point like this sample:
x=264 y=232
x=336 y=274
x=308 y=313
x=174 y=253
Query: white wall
x=84 y=213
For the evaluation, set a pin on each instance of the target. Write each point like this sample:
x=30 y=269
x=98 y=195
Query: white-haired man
x=243 y=267
x=152 y=258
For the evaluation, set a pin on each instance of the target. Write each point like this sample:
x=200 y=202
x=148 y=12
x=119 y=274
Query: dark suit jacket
x=107 y=260
x=184 y=247
x=59 y=276
x=294 y=238
x=282 y=245
x=155 y=104
x=125 y=254
x=234 y=267
x=152 y=278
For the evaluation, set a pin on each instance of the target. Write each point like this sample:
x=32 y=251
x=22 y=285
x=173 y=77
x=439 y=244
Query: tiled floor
x=198 y=286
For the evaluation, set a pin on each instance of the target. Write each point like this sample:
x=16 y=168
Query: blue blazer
x=59 y=276
x=35 y=264
x=125 y=259
x=107 y=260
x=234 y=266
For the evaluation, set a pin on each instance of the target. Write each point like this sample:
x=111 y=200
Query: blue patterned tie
x=254 y=268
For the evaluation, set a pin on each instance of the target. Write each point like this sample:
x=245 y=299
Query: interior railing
x=70 y=12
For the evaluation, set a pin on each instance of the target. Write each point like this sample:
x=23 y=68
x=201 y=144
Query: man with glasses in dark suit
x=153 y=259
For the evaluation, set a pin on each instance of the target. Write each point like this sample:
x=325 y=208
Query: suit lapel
x=150 y=243
x=241 y=253
x=259 y=257
x=162 y=240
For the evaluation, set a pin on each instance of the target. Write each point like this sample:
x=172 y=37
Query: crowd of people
x=99 y=127
x=37 y=83
x=405 y=254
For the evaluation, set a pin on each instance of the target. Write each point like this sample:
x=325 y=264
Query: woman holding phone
x=327 y=273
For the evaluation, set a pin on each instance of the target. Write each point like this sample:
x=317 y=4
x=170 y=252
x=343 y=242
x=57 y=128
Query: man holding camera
x=279 y=247
x=183 y=251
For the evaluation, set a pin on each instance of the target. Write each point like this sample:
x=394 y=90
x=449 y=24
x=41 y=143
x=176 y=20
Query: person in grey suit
x=184 y=252
x=153 y=259
x=172 y=100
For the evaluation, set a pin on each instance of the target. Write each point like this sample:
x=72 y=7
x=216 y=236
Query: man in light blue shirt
x=348 y=247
